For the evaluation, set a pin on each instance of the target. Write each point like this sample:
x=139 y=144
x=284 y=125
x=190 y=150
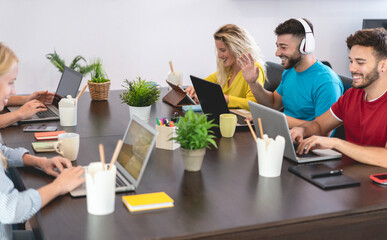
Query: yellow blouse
x=239 y=91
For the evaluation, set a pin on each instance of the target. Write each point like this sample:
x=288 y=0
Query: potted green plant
x=140 y=95
x=60 y=63
x=99 y=84
x=194 y=134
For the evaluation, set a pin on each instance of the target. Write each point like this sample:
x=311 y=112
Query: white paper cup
x=175 y=78
x=68 y=113
x=68 y=145
x=270 y=156
x=100 y=189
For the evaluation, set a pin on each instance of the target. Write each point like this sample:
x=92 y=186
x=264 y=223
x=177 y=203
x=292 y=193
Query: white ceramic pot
x=192 y=159
x=142 y=112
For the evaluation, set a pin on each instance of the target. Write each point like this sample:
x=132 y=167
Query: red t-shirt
x=365 y=123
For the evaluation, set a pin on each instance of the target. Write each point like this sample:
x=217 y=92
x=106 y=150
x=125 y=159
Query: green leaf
x=59 y=63
x=193 y=131
x=139 y=93
x=97 y=74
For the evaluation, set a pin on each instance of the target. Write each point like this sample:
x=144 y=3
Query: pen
x=328 y=174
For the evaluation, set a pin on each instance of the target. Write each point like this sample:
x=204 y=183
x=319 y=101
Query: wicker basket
x=99 y=91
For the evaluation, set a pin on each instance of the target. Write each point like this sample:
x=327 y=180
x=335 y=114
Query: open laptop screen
x=136 y=148
x=68 y=85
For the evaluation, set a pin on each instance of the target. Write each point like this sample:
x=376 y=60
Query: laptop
x=68 y=85
x=138 y=143
x=274 y=123
x=212 y=100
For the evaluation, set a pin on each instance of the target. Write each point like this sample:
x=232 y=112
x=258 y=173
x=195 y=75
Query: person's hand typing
x=226 y=97
x=297 y=134
x=69 y=179
x=55 y=165
x=31 y=108
x=45 y=97
x=191 y=92
x=316 y=142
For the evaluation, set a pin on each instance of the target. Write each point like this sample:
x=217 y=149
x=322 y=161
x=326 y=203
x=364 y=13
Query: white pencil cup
x=68 y=111
x=100 y=188
x=270 y=156
x=163 y=136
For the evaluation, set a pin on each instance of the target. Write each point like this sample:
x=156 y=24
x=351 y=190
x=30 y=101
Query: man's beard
x=369 y=78
x=293 y=61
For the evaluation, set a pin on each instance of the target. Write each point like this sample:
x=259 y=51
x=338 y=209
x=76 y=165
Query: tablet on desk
x=177 y=97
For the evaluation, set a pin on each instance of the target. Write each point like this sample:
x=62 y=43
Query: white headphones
x=308 y=43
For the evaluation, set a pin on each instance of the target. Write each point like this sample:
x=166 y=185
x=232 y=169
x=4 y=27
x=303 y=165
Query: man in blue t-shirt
x=308 y=88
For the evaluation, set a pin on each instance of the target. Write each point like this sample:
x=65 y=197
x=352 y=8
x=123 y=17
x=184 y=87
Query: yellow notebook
x=148 y=201
x=44 y=146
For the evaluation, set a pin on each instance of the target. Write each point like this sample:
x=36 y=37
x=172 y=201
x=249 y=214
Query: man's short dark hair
x=292 y=26
x=375 y=38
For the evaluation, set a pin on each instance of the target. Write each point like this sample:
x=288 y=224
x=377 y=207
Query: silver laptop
x=68 y=85
x=131 y=162
x=274 y=123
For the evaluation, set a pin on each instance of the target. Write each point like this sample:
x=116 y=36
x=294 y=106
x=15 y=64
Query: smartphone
x=380 y=178
x=41 y=128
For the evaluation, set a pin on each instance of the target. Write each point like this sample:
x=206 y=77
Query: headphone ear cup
x=302 y=46
x=308 y=44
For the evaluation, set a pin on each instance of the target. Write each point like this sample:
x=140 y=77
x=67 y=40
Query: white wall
x=138 y=38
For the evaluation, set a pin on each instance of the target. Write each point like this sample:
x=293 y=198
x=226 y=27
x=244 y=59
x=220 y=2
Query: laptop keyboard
x=46 y=114
x=119 y=182
x=303 y=155
x=240 y=119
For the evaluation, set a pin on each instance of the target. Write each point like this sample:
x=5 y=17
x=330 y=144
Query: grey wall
x=138 y=38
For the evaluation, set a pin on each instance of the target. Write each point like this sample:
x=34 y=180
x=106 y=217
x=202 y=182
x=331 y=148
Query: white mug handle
x=57 y=148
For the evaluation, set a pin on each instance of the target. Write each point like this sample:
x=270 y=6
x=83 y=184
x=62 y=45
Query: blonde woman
x=231 y=42
x=15 y=206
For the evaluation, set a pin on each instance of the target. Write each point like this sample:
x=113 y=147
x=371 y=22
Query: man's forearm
x=369 y=155
x=262 y=96
x=294 y=122
x=311 y=128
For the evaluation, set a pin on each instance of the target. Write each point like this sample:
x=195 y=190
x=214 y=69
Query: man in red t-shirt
x=362 y=109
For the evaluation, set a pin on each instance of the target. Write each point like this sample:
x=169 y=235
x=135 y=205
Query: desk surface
x=227 y=199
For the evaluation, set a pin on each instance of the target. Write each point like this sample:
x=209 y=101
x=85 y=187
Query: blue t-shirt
x=309 y=94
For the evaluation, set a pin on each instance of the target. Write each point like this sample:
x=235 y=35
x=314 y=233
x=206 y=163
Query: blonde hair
x=4 y=160
x=7 y=59
x=238 y=41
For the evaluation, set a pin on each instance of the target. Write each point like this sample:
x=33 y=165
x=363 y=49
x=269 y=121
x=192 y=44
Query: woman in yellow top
x=231 y=41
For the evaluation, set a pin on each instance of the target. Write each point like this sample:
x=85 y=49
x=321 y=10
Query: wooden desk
x=227 y=199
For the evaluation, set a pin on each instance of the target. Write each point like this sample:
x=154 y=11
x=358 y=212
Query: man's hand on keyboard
x=31 y=108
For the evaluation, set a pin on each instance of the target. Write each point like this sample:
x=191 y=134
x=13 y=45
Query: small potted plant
x=60 y=63
x=194 y=134
x=99 y=84
x=140 y=95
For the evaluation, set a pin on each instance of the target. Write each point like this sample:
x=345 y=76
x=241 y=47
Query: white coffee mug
x=68 y=145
